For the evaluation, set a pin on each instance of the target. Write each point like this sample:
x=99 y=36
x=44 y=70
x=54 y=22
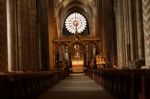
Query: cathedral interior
x=68 y=49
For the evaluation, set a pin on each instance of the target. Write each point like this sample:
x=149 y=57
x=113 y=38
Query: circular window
x=75 y=22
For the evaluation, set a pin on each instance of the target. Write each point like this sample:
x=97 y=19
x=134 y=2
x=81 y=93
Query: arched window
x=75 y=23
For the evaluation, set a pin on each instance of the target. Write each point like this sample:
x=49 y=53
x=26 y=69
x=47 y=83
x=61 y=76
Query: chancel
x=78 y=49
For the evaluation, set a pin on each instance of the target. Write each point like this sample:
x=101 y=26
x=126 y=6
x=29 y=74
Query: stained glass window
x=75 y=22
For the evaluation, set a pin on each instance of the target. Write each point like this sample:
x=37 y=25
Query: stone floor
x=76 y=86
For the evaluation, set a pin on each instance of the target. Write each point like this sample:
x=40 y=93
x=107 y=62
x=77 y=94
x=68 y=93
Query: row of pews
x=27 y=85
x=123 y=83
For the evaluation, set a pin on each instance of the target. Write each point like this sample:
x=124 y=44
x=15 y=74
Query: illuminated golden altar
x=77 y=65
x=100 y=61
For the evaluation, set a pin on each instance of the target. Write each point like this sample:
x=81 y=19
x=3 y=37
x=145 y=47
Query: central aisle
x=76 y=86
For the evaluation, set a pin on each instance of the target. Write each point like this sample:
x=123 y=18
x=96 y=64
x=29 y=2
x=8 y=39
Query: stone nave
x=62 y=49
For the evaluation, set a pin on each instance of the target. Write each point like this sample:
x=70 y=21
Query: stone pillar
x=118 y=11
x=9 y=45
x=42 y=7
x=27 y=32
x=146 y=28
x=129 y=33
x=23 y=36
x=3 y=37
x=99 y=17
x=12 y=36
x=51 y=27
x=33 y=36
x=131 y=44
x=139 y=29
x=105 y=28
x=19 y=34
x=111 y=55
x=99 y=23
x=124 y=32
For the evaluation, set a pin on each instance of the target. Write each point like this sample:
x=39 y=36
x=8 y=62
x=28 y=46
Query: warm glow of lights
x=77 y=62
x=75 y=22
x=60 y=1
x=100 y=60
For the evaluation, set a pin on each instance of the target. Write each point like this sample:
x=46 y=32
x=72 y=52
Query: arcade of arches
x=66 y=37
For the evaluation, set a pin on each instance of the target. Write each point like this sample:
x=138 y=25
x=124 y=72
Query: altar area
x=77 y=66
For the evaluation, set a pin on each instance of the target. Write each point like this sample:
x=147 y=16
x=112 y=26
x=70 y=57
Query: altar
x=77 y=66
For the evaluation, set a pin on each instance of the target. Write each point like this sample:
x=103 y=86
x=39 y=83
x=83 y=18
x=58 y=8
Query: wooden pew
x=26 y=85
x=145 y=87
x=125 y=83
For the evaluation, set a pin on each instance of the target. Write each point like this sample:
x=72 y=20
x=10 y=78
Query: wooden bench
x=124 y=83
x=26 y=85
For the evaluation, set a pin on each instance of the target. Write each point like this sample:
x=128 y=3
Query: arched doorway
x=62 y=57
x=77 y=57
x=92 y=50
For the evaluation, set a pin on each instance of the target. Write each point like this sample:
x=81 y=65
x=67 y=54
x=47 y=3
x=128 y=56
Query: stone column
x=111 y=55
x=33 y=36
x=51 y=27
x=124 y=32
x=118 y=11
x=106 y=29
x=12 y=35
x=139 y=29
x=99 y=18
x=131 y=44
x=19 y=34
x=146 y=28
x=23 y=38
x=42 y=21
x=131 y=50
x=99 y=22
x=9 y=25
x=3 y=37
x=27 y=35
